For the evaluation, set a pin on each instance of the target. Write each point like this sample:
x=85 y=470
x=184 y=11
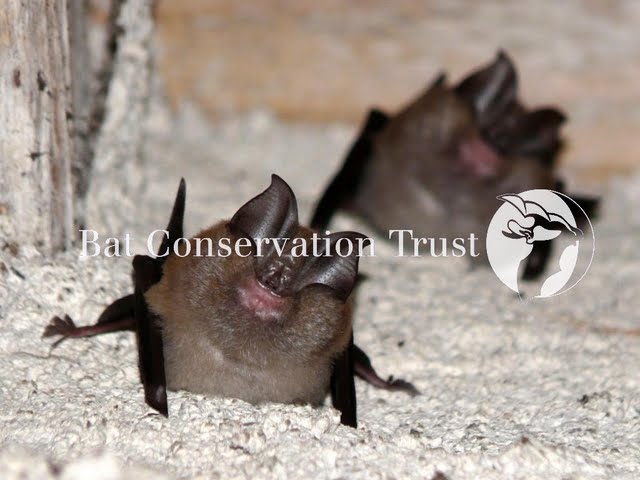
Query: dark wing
x=537 y=260
x=132 y=313
x=176 y=221
x=343 y=388
x=346 y=182
x=147 y=272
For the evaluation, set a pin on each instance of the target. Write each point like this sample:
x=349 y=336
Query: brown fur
x=415 y=178
x=215 y=345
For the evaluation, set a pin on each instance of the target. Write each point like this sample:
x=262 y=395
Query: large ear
x=491 y=90
x=175 y=222
x=337 y=272
x=272 y=214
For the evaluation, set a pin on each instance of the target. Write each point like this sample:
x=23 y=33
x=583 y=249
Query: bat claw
x=64 y=327
x=364 y=369
x=401 y=385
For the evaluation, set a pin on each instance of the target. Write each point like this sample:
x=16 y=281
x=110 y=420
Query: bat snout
x=261 y=300
x=478 y=158
x=276 y=278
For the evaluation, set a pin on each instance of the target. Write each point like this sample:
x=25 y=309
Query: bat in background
x=270 y=327
x=438 y=166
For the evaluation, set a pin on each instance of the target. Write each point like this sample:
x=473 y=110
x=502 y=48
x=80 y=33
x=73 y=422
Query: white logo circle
x=529 y=220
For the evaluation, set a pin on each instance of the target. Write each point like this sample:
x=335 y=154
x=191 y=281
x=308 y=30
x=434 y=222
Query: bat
x=262 y=325
x=438 y=165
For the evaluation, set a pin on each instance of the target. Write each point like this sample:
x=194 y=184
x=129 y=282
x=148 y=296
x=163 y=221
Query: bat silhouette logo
x=538 y=224
x=531 y=220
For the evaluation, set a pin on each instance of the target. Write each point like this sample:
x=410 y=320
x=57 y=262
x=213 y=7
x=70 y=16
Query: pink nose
x=260 y=300
x=478 y=158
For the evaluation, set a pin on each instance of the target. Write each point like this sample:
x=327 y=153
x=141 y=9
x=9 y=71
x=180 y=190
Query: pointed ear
x=337 y=272
x=491 y=90
x=175 y=221
x=272 y=214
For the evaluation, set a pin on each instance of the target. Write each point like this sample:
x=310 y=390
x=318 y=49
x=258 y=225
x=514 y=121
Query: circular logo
x=535 y=224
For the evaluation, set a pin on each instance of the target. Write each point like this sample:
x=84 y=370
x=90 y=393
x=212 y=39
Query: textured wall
x=330 y=60
x=36 y=127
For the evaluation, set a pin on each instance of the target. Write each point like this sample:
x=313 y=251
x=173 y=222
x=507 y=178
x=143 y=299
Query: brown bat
x=437 y=166
x=260 y=324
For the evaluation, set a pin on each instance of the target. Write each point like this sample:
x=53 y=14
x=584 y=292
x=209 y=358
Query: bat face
x=249 y=314
x=268 y=320
x=276 y=316
x=449 y=153
x=437 y=166
x=439 y=129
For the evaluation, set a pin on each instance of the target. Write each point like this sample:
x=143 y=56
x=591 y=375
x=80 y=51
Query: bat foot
x=111 y=322
x=401 y=385
x=58 y=326
x=364 y=369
